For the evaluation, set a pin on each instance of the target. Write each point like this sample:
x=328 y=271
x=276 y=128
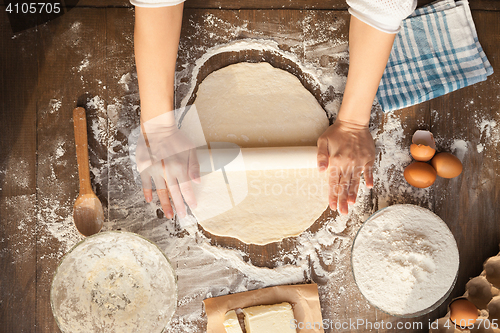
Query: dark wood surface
x=43 y=67
x=18 y=79
x=477 y=202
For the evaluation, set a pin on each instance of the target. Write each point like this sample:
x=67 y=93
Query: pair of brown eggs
x=422 y=174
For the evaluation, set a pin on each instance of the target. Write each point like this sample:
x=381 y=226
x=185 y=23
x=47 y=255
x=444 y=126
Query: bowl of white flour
x=405 y=260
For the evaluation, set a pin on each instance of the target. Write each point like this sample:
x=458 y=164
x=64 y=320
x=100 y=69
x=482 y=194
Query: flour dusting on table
x=206 y=270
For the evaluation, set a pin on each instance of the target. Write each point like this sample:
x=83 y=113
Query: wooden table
x=81 y=58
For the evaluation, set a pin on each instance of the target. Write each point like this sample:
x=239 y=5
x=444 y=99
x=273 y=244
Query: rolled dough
x=257 y=105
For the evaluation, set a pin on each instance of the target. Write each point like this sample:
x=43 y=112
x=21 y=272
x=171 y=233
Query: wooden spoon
x=87 y=211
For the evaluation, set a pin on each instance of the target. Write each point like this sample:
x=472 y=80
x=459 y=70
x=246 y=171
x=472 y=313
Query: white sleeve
x=384 y=15
x=155 y=3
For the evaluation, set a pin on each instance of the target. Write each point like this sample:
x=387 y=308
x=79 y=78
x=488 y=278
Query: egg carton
x=484 y=292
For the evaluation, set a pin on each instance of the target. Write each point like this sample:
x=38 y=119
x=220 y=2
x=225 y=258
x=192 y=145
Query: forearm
x=156 y=41
x=369 y=51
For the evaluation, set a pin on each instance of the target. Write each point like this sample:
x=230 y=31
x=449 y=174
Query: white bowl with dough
x=114 y=282
x=405 y=260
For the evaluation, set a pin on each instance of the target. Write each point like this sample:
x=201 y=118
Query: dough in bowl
x=114 y=282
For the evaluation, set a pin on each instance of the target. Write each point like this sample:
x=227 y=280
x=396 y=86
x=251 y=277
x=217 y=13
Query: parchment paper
x=303 y=298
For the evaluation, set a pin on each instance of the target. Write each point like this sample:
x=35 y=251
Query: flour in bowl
x=404 y=260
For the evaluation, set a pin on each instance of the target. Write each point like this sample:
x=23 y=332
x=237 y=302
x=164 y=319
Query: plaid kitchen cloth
x=436 y=51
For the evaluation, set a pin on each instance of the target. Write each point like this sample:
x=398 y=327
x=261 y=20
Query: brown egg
x=420 y=174
x=463 y=312
x=492 y=269
x=421 y=153
x=494 y=309
x=479 y=292
x=447 y=165
x=423 y=146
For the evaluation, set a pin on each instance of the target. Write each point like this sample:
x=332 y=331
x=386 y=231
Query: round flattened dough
x=257 y=105
x=116 y=282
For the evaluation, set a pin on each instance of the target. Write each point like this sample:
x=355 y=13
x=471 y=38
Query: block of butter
x=291 y=309
x=277 y=318
x=231 y=323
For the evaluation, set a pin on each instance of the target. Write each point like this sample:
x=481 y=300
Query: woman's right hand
x=346 y=150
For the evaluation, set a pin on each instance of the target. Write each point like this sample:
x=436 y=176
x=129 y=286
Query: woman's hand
x=345 y=150
x=163 y=154
x=166 y=155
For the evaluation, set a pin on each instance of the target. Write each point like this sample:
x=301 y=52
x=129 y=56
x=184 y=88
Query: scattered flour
x=60 y=151
x=489 y=128
x=54 y=106
x=99 y=123
x=459 y=148
x=490 y=135
x=393 y=156
x=125 y=80
x=85 y=64
x=56 y=220
x=18 y=237
x=96 y=102
x=18 y=173
x=75 y=27
x=332 y=108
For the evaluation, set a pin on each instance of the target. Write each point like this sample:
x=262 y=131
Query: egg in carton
x=463 y=312
x=483 y=311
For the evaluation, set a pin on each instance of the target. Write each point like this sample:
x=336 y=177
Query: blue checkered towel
x=437 y=51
